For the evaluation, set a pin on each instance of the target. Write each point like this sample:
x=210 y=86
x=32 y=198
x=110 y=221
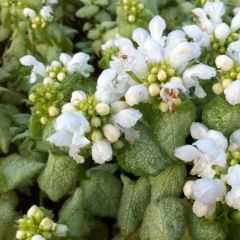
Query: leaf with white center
x=15 y=170
x=134 y=200
x=171 y=129
x=72 y=214
x=163 y=220
x=221 y=116
x=59 y=176
x=144 y=156
x=169 y=182
x=102 y=192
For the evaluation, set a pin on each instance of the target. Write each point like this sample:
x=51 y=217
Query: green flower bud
x=162 y=75
x=118 y=145
x=32 y=97
x=163 y=107
x=96 y=122
x=53 y=111
x=226 y=83
x=152 y=78
x=61 y=76
x=46 y=224
x=20 y=234
x=96 y=135
x=43 y=120
x=131 y=18
x=154 y=89
x=217 y=88
x=103 y=109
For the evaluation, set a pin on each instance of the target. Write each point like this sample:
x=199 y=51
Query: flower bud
x=43 y=120
x=187 y=189
x=222 y=31
x=46 y=224
x=131 y=18
x=20 y=235
x=224 y=62
x=233 y=147
x=53 y=111
x=217 y=88
x=96 y=135
x=61 y=230
x=52 y=74
x=78 y=96
x=36 y=213
x=111 y=133
x=226 y=83
x=163 y=107
x=154 y=89
x=61 y=76
x=95 y=122
x=47 y=81
x=118 y=106
x=151 y=78
x=118 y=145
x=162 y=76
x=32 y=97
x=38 y=237
x=103 y=109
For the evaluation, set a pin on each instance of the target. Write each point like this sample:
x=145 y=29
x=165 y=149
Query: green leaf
x=134 y=200
x=163 y=220
x=5 y=137
x=169 y=182
x=102 y=192
x=221 y=116
x=59 y=176
x=15 y=170
x=72 y=214
x=171 y=129
x=87 y=11
x=144 y=156
x=36 y=127
x=203 y=229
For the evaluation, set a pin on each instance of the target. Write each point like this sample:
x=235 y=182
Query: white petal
x=232 y=93
x=203 y=210
x=153 y=50
x=28 y=12
x=197 y=72
x=122 y=42
x=207 y=146
x=46 y=13
x=199 y=36
x=74 y=153
x=224 y=62
x=131 y=134
x=235 y=137
x=199 y=91
x=78 y=96
x=80 y=141
x=235 y=24
x=157 y=26
x=208 y=191
x=68 y=107
x=219 y=138
x=136 y=94
x=28 y=60
x=139 y=36
x=198 y=130
x=61 y=139
x=174 y=38
x=65 y=58
x=187 y=153
x=233 y=176
x=72 y=122
x=102 y=152
x=215 y=10
x=233 y=198
x=38 y=237
x=233 y=50
x=203 y=22
x=222 y=31
x=127 y=118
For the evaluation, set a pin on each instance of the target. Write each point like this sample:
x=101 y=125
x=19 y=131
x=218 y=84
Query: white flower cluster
x=167 y=67
x=58 y=70
x=36 y=225
x=87 y=124
x=217 y=163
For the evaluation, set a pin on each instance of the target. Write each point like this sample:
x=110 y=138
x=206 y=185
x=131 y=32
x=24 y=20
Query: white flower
x=61 y=230
x=38 y=237
x=127 y=118
x=152 y=50
x=140 y=35
x=224 y=62
x=32 y=211
x=46 y=13
x=136 y=94
x=38 y=67
x=195 y=73
x=102 y=152
x=215 y=10
x=157 y=26
x=111 y=133
x=233 y=50
x=235 y=137
x=199 y=131
x=205 y=154
x=28 y=12
x=232 y=93
x=78 y=96
x=68 y=107
x=46 y=224
x=197 y=34
x=233 y=198
x=203 y=210
x=111 y=87
x=235 y=24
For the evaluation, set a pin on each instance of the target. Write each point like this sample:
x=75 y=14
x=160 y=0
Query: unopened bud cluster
x=47 y=101
x=233 y=154
x=8 y=3
x=134 y=10
x=38 y=22
x=159 y=75
x=55 y=72
x=38 y=225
